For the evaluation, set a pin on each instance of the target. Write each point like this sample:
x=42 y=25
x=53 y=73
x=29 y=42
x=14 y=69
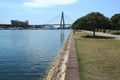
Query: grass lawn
x=98 y=59
x=115 y=32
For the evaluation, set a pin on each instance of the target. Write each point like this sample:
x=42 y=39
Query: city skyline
x=41 y=11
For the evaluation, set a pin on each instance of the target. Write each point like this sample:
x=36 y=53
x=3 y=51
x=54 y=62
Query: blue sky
x=41 y=11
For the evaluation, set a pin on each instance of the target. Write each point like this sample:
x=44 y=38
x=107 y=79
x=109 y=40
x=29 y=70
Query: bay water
x=28 y=54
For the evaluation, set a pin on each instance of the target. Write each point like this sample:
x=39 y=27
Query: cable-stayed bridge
x=60 y=21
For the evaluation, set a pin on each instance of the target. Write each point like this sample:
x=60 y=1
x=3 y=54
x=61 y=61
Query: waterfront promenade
x=72 y=71
x=65 y=66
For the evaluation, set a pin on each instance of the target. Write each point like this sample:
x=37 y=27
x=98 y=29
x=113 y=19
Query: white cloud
x=48 y=3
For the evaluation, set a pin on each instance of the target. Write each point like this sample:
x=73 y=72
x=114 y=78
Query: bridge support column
x=62 y=22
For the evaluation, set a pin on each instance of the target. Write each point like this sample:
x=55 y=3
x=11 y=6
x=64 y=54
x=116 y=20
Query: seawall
x=65 y=66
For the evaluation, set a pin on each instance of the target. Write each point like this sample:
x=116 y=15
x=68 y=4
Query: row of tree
x=96 y=21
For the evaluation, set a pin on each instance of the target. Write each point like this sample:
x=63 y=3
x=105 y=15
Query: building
x=16 y=23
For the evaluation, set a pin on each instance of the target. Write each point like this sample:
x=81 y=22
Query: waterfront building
x=16 y=23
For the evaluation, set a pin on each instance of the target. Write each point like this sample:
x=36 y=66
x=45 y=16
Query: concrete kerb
x=72 y=71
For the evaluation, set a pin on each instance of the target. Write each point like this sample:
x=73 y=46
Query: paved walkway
x=117 y=37
x=72 y=72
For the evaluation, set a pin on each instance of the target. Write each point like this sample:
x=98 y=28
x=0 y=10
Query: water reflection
x=62 y=36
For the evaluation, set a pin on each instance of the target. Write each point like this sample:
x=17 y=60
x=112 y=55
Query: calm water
x=28 y=54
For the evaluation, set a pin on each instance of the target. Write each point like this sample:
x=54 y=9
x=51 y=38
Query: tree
x=79 y=23
x=115 y=21
x=75 y=25
x=96 y=20
x=92 y=21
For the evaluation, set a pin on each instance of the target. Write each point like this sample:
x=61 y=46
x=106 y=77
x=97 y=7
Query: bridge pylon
x=62 y=21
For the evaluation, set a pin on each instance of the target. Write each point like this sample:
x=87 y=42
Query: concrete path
x=117 y=37
x=72 y=71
